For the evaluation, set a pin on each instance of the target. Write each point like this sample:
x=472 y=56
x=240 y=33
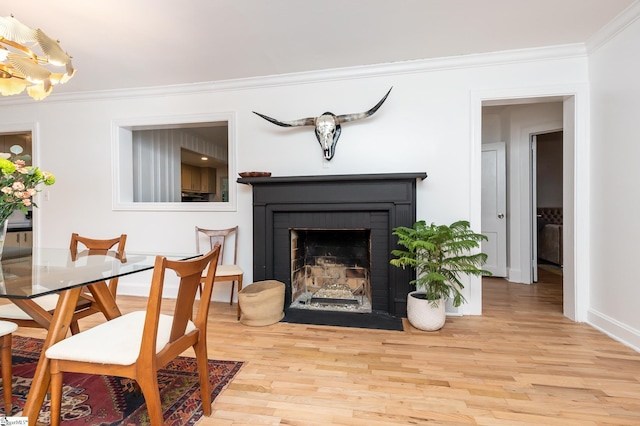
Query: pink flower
x=18 y=186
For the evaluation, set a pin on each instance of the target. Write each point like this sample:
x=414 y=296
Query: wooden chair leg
x=239 y=290
x=200 y=349
x=233 y=284
x=7 y=373
x=149 y=386
x=56 y=394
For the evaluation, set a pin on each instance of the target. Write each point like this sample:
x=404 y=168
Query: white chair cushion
x=7 y=327
x=11 y=311
x=228 y=270
x=113 y=342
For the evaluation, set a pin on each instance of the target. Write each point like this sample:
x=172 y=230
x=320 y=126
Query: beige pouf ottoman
x=262 y=303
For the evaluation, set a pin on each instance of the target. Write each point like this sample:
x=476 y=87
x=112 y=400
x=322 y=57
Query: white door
x=494 y=203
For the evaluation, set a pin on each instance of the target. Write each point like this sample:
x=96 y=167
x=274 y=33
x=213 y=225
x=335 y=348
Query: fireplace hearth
x=329 y=239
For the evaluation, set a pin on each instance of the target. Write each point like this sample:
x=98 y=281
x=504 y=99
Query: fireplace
x=341 y=227
x=330 y=270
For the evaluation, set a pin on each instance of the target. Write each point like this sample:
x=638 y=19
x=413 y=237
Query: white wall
x=615 y=205
x=425 y=125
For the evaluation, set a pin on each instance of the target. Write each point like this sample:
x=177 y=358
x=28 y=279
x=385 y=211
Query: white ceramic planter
x=422 y=315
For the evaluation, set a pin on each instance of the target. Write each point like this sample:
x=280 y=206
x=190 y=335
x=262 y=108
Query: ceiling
x=119 y=44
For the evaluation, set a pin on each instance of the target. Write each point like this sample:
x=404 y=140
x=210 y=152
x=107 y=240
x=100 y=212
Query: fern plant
x=440 y=255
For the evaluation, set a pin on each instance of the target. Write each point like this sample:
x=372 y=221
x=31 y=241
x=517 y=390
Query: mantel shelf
x=331 y=178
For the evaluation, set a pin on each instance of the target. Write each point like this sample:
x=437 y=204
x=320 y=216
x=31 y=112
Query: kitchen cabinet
x=190 y=177
x=20 y=239
x=17 y=244
x=198 y=179
x=208 y=180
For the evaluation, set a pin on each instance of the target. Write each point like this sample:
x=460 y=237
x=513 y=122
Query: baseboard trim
x=614 y=329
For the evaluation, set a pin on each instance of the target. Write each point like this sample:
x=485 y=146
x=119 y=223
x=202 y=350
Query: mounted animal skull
x=327 y=125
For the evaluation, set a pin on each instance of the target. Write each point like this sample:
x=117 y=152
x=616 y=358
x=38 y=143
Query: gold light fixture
x=22 y=68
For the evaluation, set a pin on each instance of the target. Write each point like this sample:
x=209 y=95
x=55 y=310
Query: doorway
x=547 y=161
x=19 y=237
x=514 y=121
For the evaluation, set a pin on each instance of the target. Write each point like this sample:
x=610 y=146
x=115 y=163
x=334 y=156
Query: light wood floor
x=520 y=363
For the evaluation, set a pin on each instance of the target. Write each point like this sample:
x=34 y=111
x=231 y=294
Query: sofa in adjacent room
x=550 y=234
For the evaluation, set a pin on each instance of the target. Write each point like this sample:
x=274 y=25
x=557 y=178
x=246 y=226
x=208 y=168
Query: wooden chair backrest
x=220 y=236
x=99 y=246
x=190 y=274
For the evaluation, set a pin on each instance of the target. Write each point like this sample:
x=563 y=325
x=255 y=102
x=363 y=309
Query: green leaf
x=440 y=256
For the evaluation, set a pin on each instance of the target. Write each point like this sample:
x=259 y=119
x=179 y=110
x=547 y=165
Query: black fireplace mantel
x=331 y=178
x=379 y=202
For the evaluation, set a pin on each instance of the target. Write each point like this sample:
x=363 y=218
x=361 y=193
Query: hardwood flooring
x=520 y=363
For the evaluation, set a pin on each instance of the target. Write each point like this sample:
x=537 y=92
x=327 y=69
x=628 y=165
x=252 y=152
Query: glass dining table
x=58 y=271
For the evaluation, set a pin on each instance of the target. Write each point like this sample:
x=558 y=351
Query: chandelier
x=21 y=67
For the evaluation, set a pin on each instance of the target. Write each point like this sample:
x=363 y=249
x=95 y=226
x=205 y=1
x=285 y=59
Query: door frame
x=534 y=199
x=576 y=189
x=533 y=140
x=528 y=213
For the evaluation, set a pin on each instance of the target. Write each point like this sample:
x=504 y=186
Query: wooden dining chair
x=225 y=271
x=86 y=304
x=85 y=245
x=136 y=345
x=6 y=328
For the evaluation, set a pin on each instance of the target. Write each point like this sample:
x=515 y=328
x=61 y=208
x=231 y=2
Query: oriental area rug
x=106 y=400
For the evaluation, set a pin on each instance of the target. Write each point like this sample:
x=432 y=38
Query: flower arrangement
x=18 y=184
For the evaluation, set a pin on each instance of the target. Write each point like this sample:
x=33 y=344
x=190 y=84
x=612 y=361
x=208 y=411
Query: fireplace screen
x=330 y=269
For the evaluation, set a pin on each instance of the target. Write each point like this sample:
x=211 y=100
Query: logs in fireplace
x=339 y=206
x=330 y=269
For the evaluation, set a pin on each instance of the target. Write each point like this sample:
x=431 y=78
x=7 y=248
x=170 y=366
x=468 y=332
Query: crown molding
x=359 y=72
x=411 y=67
x=614 y=27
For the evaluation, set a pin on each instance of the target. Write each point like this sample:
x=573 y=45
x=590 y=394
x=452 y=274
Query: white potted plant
x=440 y=255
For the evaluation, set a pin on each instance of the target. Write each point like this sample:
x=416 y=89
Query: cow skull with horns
x=327 y=125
